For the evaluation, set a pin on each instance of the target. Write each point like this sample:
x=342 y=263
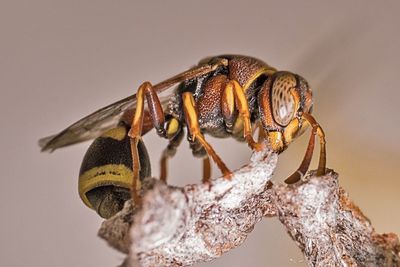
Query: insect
x=223 y=96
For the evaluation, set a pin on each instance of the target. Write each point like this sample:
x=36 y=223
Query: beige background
x=60 y=60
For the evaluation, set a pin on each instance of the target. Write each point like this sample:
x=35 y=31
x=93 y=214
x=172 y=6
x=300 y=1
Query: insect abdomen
x=106 y=175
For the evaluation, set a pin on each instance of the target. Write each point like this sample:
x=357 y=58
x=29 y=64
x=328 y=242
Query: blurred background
x=61 y=60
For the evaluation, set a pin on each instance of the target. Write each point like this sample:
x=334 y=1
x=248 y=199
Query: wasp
x=223 y=96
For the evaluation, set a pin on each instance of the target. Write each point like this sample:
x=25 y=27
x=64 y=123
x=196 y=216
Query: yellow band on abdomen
x=111 y=174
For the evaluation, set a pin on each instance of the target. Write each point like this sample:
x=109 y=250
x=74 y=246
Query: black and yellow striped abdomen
x=105 y=177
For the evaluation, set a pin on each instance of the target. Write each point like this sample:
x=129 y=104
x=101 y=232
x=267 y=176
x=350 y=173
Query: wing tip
x=45 y=143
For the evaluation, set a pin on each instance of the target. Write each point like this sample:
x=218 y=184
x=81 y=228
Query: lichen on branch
x=180 y=226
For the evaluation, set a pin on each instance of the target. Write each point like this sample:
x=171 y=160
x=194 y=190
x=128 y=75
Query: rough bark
x=197 y=223
x=329 y=228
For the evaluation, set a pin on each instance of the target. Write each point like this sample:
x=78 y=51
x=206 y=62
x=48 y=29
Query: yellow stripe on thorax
x=265 y=70
x=239 y=124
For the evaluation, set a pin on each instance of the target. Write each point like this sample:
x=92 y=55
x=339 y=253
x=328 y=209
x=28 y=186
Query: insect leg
x=296 y=176
x=316 y=130
x=206 y=170
x=169 y=152
x=229 y=111
x=199 y=151
x=135 y=133
x=194 y=132
x=322 y=155
x=241 y=103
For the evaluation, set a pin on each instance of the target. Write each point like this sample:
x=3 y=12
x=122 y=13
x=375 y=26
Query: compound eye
x=283 y=105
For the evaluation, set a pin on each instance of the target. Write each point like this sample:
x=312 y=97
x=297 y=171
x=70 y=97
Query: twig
x=197 y=223
x=329 y=228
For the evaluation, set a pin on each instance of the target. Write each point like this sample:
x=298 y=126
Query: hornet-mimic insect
x=223 y=96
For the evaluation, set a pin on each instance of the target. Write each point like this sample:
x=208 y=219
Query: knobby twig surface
x=329 y=228
x=182 y=226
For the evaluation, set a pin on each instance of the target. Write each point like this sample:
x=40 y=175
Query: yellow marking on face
x=275 y=139
x=291 y=131
x=173 y=126
x=110 y=174
x=118 y=133
x=266 y=70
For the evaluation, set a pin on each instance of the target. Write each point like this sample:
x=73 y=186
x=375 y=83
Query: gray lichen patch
x=205 y=220
x=329 y=228
x=197 y=223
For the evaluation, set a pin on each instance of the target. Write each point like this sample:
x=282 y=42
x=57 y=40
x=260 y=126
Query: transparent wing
x=108 y=117
x=97 y=123
x=90 y=126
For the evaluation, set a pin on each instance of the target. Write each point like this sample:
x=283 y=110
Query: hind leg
x=147 y=91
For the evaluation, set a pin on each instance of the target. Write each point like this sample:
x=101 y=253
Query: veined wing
x=90 y=126
x=108 y=117
x=97 y=123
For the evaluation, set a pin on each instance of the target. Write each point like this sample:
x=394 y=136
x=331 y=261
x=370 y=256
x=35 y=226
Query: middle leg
x=198 y=151
x=195 y=134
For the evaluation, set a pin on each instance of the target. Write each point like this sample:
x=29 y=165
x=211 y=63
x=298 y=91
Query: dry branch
x=197 y=223
x=329 y=228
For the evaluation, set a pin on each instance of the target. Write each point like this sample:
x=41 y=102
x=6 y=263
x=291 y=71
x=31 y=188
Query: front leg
x=315 y=130
x=233 y=96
